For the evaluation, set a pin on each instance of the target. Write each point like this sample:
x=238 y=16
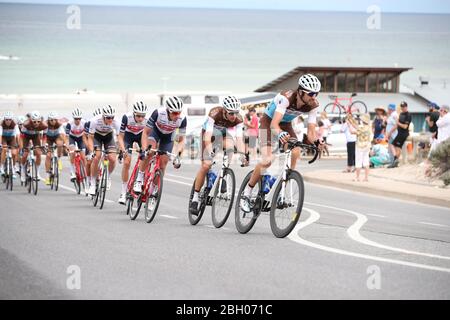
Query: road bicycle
x=31 y=179
x=284 y=200
x=217 y=192
x=80 y=181
x=152 y=187
x=101 y=181
x=54 y=170
x=8 y=176
x=337 y=109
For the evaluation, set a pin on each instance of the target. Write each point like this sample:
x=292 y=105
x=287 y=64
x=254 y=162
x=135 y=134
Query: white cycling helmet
x=231 y=104
x=140 y=107
x=174 y=104
x=8 y=115
x=21 y=119
x=108 y=111
x=309 y=82
x=35 y=115
x=97 y=112
x=77 y=113
x=52 y=116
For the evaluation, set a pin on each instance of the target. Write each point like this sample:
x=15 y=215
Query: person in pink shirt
x=251 y=123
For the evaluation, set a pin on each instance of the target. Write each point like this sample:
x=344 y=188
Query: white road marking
x=179 y=177
x=435 y=224
x=314 y=216
x=353 y=233
x=167 y=216
x=171 y=180
x=376 y=215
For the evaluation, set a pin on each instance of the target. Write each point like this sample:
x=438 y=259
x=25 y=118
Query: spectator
x=379 y=155
x=363 y=139
x=443 y=124
x=391 y=128
x=350 y=136
x=379 y=123
x=251 y=123
x=403 y=122
x=431 y=120
x=326 y=125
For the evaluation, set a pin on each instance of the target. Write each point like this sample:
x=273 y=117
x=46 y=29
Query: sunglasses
x=311 y=94
x=176 y=113
x=234 y=114
x=109 y=118
x=139 y=116
x=76 y=119
x=36 y=122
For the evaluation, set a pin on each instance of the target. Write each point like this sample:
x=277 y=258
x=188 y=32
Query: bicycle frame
x=225 y=165
x=346 y=108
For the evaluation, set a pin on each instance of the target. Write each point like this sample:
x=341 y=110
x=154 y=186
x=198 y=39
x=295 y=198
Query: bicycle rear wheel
x=284 y=214
x=153 y=199
x=333 y=110
x=358 y=108
x=222 y=202
x=193 y=219
x=102 y=189
x=246 y=220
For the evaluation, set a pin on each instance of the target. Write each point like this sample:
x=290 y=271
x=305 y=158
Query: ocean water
x=124 y=49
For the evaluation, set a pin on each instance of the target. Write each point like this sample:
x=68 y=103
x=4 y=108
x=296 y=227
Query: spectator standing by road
x=431 y=120
x=326 y=125
x=443 y=124
x=403 y=122
x=363 y=143
x=251 y=123
x=391 y=128
x=350 y=136
x=379 y=123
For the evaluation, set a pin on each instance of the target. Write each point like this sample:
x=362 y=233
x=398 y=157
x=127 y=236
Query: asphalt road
x=347 y=245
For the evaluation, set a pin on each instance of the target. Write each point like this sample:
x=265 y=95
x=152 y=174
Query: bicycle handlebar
x=312 y=147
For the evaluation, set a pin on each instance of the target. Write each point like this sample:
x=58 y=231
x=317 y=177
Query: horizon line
x=214 y=8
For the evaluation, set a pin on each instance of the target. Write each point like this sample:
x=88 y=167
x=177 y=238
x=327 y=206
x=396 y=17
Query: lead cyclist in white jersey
x=277 y=118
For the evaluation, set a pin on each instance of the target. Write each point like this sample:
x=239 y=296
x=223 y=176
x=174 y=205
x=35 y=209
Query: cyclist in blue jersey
x=277 y=118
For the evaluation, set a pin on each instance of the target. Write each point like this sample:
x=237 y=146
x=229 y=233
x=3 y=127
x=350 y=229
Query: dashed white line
x=314 y=216
x=168 y=216
x=376 y=215
x=435 y=224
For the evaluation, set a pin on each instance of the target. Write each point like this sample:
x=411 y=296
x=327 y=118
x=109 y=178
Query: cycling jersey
x=75 y=131
x=9 y=131
x=53 y=131
x=29 y=129
x=98 y=126
x=217 y=121
x=286 y=104
x=130 y=125
x=160 y=120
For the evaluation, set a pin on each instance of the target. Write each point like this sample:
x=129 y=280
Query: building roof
x=304 y=69
x=437 y=93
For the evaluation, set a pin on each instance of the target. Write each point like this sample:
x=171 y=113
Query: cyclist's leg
x=295 y=153
x=206 y=162
x=37 y=152
x=98 y=143
x=112 y=155
x=165 y=144
x=48 y=158
x=59 y=143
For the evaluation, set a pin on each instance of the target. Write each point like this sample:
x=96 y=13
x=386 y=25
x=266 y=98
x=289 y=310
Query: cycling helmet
x=309 y=82
x=35 y=116
x=21 y=120
x=140 y=107
x=52 y=116
x=8 y=115
x=108 y=111
x=77 y=113
x=174 y=104
x=231 y=104
x=97 y=112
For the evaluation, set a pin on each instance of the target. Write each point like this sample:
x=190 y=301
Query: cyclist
x=131 y=129
x=74 y=139
x=54 y=134
x=161 y=129
x=32 y=132
x=277 y=118
x=101 y=133
x=9 y=134
x=223 y=123
x=89 y=155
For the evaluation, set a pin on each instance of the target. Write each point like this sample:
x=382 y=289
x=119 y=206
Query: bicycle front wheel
x=133 y=206
x=10 y=175
x=193 y=219
x=333 y=110
x=358 y=108
x=55 y=174
x=154 y=196
x=34 y=178
x=223 y=198
x=246 y=220
x=102 y=188
x=287 y=204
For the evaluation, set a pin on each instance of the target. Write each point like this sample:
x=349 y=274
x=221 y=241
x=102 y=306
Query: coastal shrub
x=440 y=159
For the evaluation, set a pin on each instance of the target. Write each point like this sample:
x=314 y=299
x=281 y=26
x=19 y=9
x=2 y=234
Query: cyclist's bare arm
x=144 y=138
x=179 y=147
x=90 y=142
x=311 y=134
x=121 y=141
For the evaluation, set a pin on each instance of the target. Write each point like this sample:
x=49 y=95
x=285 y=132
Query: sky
x=403 y=6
